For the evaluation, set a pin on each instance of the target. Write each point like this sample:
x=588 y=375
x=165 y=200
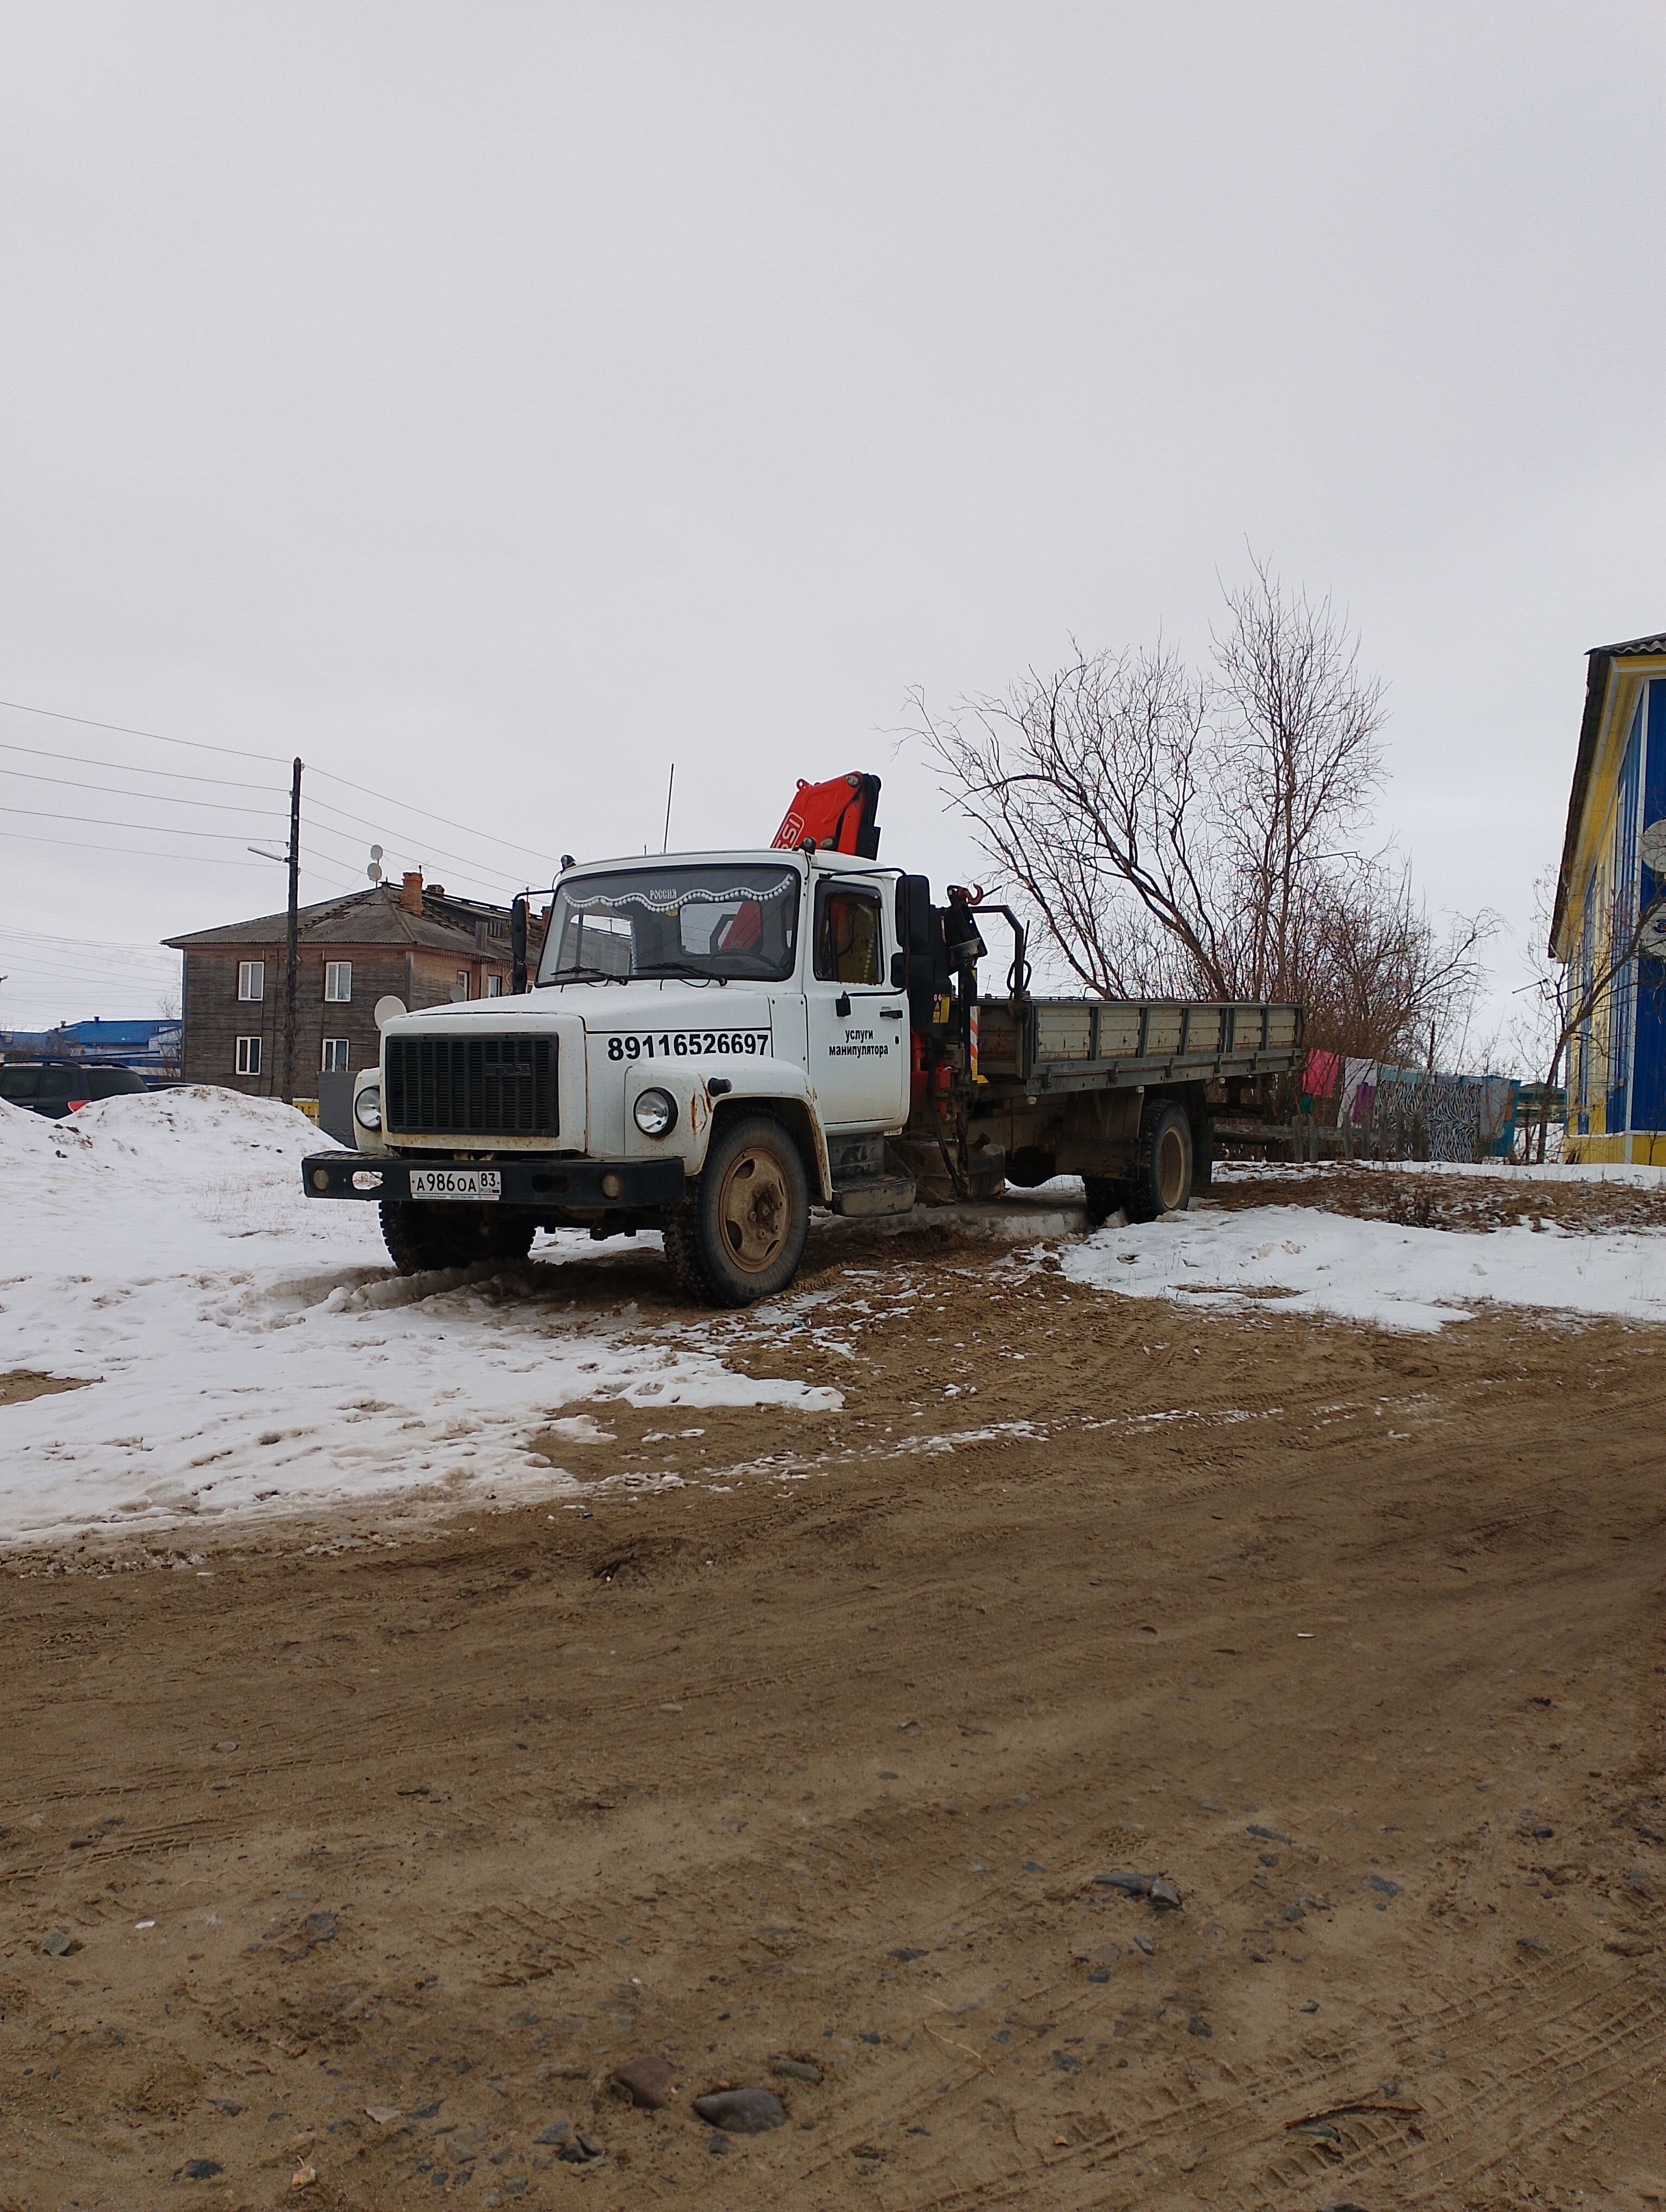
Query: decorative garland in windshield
x=667 y=898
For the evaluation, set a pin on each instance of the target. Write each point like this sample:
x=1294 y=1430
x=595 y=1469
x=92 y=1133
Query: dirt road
x=376 y=1854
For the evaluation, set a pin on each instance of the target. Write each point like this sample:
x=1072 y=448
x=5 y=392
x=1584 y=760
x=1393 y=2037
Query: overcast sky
x=493 y=404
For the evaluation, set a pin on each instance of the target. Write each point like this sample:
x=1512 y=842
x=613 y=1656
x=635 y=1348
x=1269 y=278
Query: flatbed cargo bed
x=1056 y=1045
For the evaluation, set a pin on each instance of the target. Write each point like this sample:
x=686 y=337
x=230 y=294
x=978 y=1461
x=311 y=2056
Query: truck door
x=857 y=1023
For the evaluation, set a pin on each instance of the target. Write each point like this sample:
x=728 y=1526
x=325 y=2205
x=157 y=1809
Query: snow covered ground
x=1312 y=1261
x=254 y=1356
x=253 y=1353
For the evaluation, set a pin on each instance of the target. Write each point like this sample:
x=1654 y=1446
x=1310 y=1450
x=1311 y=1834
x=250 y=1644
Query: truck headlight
x=367 y=1107
x=655 y=1113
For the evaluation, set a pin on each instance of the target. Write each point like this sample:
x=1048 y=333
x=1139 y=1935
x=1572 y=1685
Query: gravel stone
x=646 y=2081
x=796 y=2069
x=742 y=2112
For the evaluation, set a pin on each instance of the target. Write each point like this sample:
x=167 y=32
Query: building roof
x=370 y=917
x=96 y=1031
x=1599 y=663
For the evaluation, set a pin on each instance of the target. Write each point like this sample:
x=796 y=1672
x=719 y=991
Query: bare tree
x=1088 y=787
x=168 y=1006
x=1295 y=749
x=1563 y=997
x=1195 y=834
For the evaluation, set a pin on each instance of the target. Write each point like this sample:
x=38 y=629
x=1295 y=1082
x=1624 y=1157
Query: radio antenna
x=670 y=786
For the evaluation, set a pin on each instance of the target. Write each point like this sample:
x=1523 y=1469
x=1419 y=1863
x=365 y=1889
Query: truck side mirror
x=899 y=970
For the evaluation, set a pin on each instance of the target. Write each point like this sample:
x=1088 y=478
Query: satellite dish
x=375 y=852
x=388 y=1010
x=374 y=870
x=1654 y=847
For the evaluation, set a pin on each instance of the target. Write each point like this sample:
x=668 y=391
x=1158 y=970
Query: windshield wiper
x=676 y=968
x=582 y=974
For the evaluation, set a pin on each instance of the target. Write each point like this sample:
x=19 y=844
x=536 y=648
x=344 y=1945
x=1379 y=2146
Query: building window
x=248 y=1054
x=250 y=980
x=494 y=987
x=337 y=982
x=335 y=1055
x=462 y=990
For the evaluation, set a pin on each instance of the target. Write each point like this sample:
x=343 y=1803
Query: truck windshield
x=737 y=922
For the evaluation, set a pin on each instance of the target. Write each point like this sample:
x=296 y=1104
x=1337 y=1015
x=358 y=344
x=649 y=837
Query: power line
x=436 y=852
x=103 y=822
x=145 y=798
x=81 y=944
x=235 y=752
x=122 y=729
x=132 y=768
x=66 y=964
x=138 y=852
x=405 y=806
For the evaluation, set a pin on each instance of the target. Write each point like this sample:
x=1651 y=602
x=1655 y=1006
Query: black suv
x=56 y=1087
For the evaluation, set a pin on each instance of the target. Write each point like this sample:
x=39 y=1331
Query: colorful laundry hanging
x=1321 y=1073
x=1359 y=1089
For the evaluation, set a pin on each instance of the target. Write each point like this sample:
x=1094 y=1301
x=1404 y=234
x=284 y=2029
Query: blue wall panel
x=1622 y=991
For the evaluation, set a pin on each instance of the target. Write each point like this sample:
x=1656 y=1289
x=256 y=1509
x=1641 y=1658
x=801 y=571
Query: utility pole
x=291 y=940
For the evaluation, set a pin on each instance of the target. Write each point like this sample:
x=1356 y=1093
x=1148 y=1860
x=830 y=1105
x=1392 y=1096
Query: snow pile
x=1303 y=1261
x=253 y=1352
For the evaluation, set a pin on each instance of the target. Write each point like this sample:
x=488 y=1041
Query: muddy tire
x=1103 y=1196
x=420 y=1238
x=741 y=1237
x=1162 y=1178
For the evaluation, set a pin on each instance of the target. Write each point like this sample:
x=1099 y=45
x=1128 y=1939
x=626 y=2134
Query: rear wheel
x=742 y=1236
x=1162 y=1179
x=420 y=1238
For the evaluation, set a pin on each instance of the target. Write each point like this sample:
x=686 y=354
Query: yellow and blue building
x=1616 y=1056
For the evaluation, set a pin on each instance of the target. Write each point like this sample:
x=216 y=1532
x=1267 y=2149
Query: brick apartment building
x=413 y=942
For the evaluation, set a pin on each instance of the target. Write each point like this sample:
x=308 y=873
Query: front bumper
x=543 y=1185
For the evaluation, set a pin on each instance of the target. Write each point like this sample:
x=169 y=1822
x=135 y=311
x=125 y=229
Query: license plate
x=476 y=1183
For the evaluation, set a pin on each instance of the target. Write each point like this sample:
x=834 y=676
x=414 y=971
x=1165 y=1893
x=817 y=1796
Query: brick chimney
x=410 y=898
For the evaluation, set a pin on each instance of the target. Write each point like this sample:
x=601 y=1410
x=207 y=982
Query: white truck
x=713 y=1043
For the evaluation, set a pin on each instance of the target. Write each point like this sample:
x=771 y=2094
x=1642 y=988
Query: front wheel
x=742 y=1237
x=1162 y=1178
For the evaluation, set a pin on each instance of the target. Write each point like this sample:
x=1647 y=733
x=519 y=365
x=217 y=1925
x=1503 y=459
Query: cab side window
x=848 y=934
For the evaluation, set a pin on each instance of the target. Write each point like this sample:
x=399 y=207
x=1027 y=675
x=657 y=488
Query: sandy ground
x=376 y=1850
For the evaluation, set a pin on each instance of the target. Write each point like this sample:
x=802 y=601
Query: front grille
x=476 y=1086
